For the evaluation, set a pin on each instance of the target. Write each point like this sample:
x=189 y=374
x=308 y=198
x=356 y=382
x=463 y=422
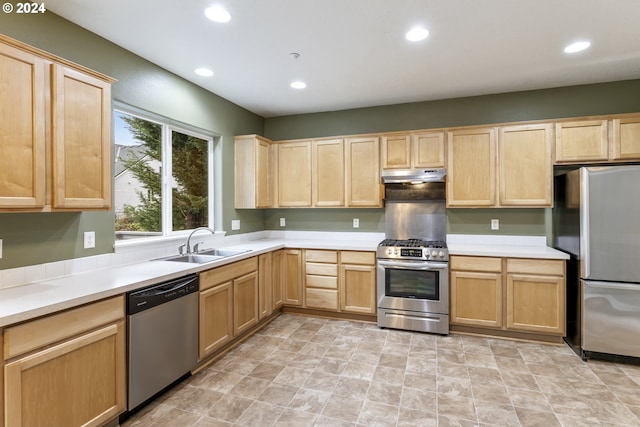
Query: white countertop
x=502 y=246
x=20 y=303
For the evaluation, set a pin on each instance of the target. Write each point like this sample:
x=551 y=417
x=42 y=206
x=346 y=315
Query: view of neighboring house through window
x=162 y=177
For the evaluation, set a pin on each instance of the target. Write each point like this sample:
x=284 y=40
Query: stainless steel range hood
x=413 y=176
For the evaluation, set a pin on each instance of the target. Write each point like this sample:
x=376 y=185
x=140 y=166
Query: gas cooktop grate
x=414 y=243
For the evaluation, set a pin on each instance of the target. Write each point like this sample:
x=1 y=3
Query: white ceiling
x=353 y=52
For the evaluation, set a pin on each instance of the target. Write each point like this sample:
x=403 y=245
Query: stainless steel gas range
x=413 y=285
x=413 y=260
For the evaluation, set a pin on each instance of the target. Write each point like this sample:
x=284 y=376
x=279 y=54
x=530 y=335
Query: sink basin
x=205 y=256
x=193 y=258
x=223 y=252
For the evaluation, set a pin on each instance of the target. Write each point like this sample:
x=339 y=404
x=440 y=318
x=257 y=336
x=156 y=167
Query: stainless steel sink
x=224 y=252
x=205 y=256
x=193 y=258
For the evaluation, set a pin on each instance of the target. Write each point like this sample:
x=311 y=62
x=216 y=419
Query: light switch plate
x=235 y=224
x=495 y=224
x=0 y=248
x=89 y=239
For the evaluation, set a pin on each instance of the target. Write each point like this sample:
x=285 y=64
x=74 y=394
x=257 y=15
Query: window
x=162 y=177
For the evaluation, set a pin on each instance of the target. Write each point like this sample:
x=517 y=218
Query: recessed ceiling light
x=204 y=72
x=217 y=14
x=298 y=84
x=416 y=34
x=576 y=47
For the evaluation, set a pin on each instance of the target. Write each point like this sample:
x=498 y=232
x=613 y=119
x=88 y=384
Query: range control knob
x=441 y=254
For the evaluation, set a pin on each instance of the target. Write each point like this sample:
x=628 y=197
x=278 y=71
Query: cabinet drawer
x=476 y=263
x=322 y=269
x=328 y=282
x=225 y=273
x=353 y=257
x=322 y=298
x=321 y=256
x=39 y=333
x=535 y=266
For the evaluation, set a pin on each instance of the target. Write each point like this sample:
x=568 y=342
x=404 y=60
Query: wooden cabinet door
x=625 y=142
x=582 y=141
x=216 y=318
x=328 y=173
x=396 y=152
x=292 y=277
x=245 y=302
x=428 y=150
x=362 y=157
x=476 y=298
x=253 y=183
x=525 y=165
x=277 y=293
x=536 y=303
x=80 y=382
x=22 y=129
x=358 y=288
x=294 y=174
x=471 y=168
x=81 y=140
x=265 y=283
x=263 y=181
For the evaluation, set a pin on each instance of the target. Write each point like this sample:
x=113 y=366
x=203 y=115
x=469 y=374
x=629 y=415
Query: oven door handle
x=413 y=265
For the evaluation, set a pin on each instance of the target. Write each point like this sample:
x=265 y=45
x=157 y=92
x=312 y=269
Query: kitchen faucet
x=188 y=243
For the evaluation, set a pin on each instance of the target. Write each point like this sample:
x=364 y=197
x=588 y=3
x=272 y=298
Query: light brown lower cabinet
x=228 y=304
x=277 y=285
x=513 y=294
x=216 y=318
x=265 y=284
x=292 y=277
x=332 y=281
x=76 y=381
x=358 y=282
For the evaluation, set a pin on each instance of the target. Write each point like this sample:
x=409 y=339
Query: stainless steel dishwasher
x=162 y=336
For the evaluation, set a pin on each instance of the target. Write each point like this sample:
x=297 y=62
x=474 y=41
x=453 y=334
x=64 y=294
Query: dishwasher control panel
x=151 y=296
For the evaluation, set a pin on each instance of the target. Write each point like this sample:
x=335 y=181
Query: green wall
x=44 y=237
x=573 y=101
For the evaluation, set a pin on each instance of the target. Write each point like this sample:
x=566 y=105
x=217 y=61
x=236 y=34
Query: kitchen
x=32 y=239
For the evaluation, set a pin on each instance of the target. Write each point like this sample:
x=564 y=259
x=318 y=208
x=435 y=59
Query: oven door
x=420 y=286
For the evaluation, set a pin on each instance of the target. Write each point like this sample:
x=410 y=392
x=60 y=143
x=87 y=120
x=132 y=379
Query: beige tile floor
x=303 y=371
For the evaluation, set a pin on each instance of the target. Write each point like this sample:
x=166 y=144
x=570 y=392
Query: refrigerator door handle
x=609 y=285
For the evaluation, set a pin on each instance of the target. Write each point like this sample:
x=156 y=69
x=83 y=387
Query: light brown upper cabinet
x=294 y=174
x=525 y=167
x=593 y=141
x=362 y=157
x=55 y=147
x=253 y=172
x=512 y=170
x=328 y=173
x=471 y=168
x=581 y=141
x=415 y=150
x=625 y=138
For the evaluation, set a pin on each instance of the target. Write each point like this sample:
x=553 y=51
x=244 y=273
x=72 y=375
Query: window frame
x=168 y=127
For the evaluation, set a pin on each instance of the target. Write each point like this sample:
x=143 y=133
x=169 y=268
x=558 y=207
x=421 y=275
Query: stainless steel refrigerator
x=596 y=220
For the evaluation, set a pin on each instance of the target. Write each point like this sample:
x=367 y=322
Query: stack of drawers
x=321 y=279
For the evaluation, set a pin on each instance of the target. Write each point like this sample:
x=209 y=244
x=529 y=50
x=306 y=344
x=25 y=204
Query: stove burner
x=414 y=243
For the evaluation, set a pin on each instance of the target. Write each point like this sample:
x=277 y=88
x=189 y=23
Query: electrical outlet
x=0 y=248
x=235 y=224
x=356 y=222
x=283 y=222
x=89 y=239
x=495 y=224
